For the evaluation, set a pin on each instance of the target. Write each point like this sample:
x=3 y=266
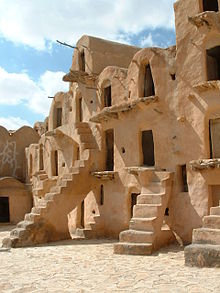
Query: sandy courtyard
x=91 y=266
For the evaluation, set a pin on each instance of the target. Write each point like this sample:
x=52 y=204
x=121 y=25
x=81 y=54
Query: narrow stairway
x=49 y=222
x=146 y=232
x=205 y=248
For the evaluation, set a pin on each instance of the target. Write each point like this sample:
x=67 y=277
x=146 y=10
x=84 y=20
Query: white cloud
x=13 y=123
x=33 y=22
x=16 y=88
x=147 y=41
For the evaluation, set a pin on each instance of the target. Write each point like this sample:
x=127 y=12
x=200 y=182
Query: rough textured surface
x=202 y=255
x=90 y=266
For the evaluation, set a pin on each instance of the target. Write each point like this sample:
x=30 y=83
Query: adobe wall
x=20 y=199
x=12 y=151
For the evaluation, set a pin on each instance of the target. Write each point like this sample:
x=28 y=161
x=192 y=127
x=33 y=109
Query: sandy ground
x=91 y=266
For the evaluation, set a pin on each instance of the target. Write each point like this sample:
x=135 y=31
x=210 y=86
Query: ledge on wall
x=112 y=112
x=207 y=86
x=205 y=164
x=79 y=76
x=207 y=19
x=104 y=175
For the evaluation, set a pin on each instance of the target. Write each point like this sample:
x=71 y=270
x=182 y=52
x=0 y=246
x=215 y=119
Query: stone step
x=67 y=176
x=51 y=195
x=19 y=232
x=25 y=224
x=202 y=255
x=79 y=163
x=206 y=236
x=145 y=210
x=38 y=210
x=142 y=224
x=134 y=236
x=212 y=222
x=150 y=198
x=152 y=187
x=32 y=217
x=133 y=248
x=10 y=242
x=42 y=176
x=88 y=145
x=215 y=211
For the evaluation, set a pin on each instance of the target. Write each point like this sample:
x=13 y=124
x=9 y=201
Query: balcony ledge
x=207 y=86
x=207 y=19
x=104 y=175
x=112 y=112
x=205 y=164
x=79 y=76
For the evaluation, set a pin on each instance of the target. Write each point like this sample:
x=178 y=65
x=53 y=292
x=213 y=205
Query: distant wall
x=12 y=151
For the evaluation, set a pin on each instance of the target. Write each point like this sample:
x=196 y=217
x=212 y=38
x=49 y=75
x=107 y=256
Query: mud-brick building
x=132 y=149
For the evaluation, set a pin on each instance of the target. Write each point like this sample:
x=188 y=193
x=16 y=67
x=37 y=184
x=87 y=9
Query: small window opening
x=71 y=109
x=166 y=212
x=82 y=214
x=213 y=63
x=184 y=178
x=123 y=150
x=107 y=96
x=173 y=76
x=63 y=164
x=148 y=82
x=55 y=167
x=31 y=165
x=41 y=158
x=148 y=148
x=109 y=139
x=210 y=5
x=82 y=61
x=102 y=195
x=59 y=117
x=77 y=153
x=80 y=110
x=133 y=201
x=4 y=210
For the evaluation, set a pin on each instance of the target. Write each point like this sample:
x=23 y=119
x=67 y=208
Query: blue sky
x=32 y=63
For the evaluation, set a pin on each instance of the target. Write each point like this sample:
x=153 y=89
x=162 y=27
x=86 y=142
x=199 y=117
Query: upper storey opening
x=210 y=5
x=213 y=63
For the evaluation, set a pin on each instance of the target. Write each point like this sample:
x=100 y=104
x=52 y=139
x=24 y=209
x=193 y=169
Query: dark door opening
x=109 y=137
x=55 y=166
x=4 y=210
x=213 y=63
x=148 y=82
x=107 y=96
x=210 y=5
x=59 y=117
x=82 y=214
x=80 y=110
x=41 y=158
x=102 y=195
x=56 y=163
x=184 y=178
x=133 y=201
x=148 y=148
x=82 y=61
x=214 y=138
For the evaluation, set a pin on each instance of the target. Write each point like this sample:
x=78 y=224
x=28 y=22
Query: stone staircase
x=42 y=184
x=205 y=248
x=48 y=222
x=86 y=137
x=147 y=231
